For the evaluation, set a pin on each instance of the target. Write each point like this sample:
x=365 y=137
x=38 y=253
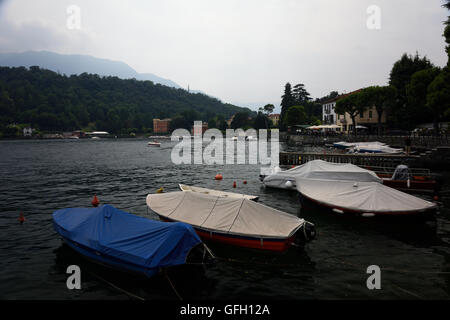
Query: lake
x=41 y=176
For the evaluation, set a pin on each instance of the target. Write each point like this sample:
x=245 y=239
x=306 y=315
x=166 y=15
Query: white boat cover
x=226 y=215
x=356 y=144
x=319 y=169
x=218 y=193
x=363 y=197
x=363 y=148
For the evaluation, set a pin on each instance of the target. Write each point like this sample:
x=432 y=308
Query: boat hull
x=414 y=186
x=110 y=262
x=260 y=243
x=362 y=213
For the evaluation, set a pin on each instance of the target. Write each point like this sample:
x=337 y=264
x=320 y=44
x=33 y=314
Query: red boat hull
x=269 y=244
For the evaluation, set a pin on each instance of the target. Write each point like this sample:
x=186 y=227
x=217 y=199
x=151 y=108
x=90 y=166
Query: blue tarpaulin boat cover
x=129 y=238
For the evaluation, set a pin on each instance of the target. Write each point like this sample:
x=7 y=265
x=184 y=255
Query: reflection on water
x=39 y=177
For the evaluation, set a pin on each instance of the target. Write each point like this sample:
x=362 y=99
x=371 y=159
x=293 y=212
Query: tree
x=400 y=77
x=295 y=115
x=286 y=102
x=438 y=97
x=417 y=91
x=382 y=98
x=261 y=121
x=240 y=120
x=300 y=94
x=352 y=104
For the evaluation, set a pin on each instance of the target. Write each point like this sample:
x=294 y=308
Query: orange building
x=161 y=126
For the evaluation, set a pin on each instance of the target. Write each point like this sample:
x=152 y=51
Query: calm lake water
x=39 y=177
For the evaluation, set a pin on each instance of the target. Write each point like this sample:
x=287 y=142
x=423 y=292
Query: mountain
x=51 y=101
x=77 y=64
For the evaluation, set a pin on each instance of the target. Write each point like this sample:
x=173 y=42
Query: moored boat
x=219 y=193
x=239 y=222
x=319 y=169
x=361 y=198
x=154 y=144
x=124 y=241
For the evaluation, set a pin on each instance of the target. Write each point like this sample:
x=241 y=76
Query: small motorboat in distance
x=218 y=193
x=239 y=222
x=124 y=241
x=154 y=144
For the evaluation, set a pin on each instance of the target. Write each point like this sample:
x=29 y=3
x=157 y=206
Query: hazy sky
x=241 y=51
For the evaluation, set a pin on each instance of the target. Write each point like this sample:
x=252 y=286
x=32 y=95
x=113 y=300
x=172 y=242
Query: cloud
x=236 y=50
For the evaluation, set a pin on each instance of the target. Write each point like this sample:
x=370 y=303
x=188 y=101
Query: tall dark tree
x=353 y=104
x=286 y=102
x=417 y=91
x=399 y=78
x=300 y=94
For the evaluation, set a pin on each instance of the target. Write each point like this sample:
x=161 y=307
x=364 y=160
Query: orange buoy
x=21 y=218
x=244 y=182
x=95 y=201
x=218 y=177
x=234 y=184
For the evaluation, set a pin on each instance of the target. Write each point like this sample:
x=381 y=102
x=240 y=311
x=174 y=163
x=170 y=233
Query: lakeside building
x=196 y=130
x=161 y=126
x=368 y=119
x=275 y=118
x=328 y=113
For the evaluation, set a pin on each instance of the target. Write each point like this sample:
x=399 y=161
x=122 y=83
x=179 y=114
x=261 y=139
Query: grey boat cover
x=363 y=197
x=319 y=169
x=219 y=193
x=226 y=215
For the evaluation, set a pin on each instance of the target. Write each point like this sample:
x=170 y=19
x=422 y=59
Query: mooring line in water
x=408 y=292
x=395 y=270
x=129 y=294
x=175 y=290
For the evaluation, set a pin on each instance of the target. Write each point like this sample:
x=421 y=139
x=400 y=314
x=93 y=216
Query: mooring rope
x=129 y=294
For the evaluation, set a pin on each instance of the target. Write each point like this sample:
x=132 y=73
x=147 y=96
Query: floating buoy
x=244 y=182
x=218 y=177
x=21 y=218
x=234 y=184
x=288 y=184
x=435 y=198
x=95 y=201
x=160 y=190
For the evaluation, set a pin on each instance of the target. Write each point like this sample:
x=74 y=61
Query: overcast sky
x=241 y=51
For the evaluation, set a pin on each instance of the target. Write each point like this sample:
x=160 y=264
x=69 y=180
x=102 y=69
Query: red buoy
x=95 y=201
x=234 y=184
x=218 y=177
x=435 y=198
x=244 y=182
x=21 y=218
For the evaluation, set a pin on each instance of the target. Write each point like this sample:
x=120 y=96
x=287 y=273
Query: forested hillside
x=49 y=101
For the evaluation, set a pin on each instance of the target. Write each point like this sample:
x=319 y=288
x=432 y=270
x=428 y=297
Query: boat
x=238 y=222
x=366 y=147
x=361 y=198
x=321 y=170
x=154 y=144
x=219 y=193
x=407 y=179
x=124 y=241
